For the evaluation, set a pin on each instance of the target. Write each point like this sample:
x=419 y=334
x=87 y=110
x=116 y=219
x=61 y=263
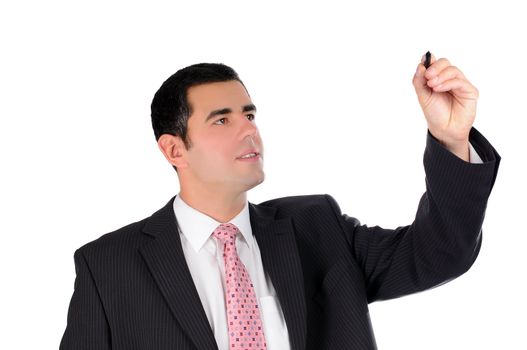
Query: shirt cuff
x=473 y=155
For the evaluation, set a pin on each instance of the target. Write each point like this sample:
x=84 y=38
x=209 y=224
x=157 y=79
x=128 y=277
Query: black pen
x=427 y=59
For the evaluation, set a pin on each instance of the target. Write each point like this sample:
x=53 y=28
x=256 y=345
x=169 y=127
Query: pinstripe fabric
x=133 y=289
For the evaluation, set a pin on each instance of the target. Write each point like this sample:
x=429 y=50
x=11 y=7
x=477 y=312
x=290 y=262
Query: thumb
x=419 y=81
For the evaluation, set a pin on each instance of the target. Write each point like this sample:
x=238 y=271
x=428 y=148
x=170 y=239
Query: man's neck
x=219 y=206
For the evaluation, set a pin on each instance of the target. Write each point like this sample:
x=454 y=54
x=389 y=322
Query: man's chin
x=255 y=183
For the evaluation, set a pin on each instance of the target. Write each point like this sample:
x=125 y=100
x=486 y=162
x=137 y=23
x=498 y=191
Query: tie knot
x=226 y=231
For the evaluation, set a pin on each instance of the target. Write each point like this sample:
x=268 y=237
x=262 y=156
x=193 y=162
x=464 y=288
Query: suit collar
x=275 y=236
x=197 y=227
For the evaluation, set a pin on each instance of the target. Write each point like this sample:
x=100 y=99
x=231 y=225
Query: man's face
x=222 y=129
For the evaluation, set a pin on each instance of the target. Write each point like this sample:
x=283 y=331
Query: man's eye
x=219 y=120
x=252 y=116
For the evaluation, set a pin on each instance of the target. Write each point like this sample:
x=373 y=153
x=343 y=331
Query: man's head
x=203 y=121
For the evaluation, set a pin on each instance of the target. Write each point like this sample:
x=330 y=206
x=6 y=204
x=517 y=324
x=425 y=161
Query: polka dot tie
x=243 y=315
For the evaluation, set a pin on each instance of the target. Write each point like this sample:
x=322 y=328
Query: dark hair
x=170 y=107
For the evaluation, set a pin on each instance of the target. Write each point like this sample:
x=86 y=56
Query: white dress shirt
x=204 y=256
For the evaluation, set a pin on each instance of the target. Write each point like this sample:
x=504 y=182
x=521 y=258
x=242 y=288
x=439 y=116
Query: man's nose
x=248 y=127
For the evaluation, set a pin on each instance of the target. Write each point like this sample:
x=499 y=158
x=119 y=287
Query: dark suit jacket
x=133 y=289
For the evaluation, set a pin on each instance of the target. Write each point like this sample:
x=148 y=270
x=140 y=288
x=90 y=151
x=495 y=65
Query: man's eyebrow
x=247 y=108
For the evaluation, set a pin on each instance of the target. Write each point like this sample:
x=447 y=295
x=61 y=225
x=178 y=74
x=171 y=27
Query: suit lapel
x=166 y=261
x=281 y=260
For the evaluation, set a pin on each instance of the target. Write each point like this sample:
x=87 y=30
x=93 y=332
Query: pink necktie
x=243 y=314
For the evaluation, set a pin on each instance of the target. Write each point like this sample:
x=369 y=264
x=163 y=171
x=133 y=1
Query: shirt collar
x=198 y=227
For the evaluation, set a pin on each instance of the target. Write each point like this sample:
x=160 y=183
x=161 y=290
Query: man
x=210 y=270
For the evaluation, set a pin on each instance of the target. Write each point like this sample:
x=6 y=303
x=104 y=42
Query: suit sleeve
x=445 y=237
x=87 y=326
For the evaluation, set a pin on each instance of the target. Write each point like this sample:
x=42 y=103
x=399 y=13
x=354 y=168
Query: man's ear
x=173 y=149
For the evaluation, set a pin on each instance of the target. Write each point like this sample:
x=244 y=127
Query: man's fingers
x=419 y=81
x=440 y=76
x=461 y=86
x=448 y=73
x=436 y=67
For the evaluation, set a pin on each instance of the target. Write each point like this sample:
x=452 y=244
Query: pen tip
x=427 y=59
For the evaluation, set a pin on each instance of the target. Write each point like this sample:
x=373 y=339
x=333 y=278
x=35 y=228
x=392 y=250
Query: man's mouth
x=249 y=156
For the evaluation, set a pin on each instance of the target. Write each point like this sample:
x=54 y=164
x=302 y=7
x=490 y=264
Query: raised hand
x=448 y=101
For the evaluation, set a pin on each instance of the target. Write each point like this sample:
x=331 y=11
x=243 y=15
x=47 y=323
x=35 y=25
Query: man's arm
x=87 y=326
x=445 y=237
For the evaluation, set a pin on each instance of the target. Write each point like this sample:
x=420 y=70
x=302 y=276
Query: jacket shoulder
x=294 y=200
x=123 y=238
x=299 y=204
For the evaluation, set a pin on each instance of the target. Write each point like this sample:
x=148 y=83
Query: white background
x=336 y=109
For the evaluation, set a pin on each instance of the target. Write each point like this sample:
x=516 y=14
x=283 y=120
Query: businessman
x=210 y=270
